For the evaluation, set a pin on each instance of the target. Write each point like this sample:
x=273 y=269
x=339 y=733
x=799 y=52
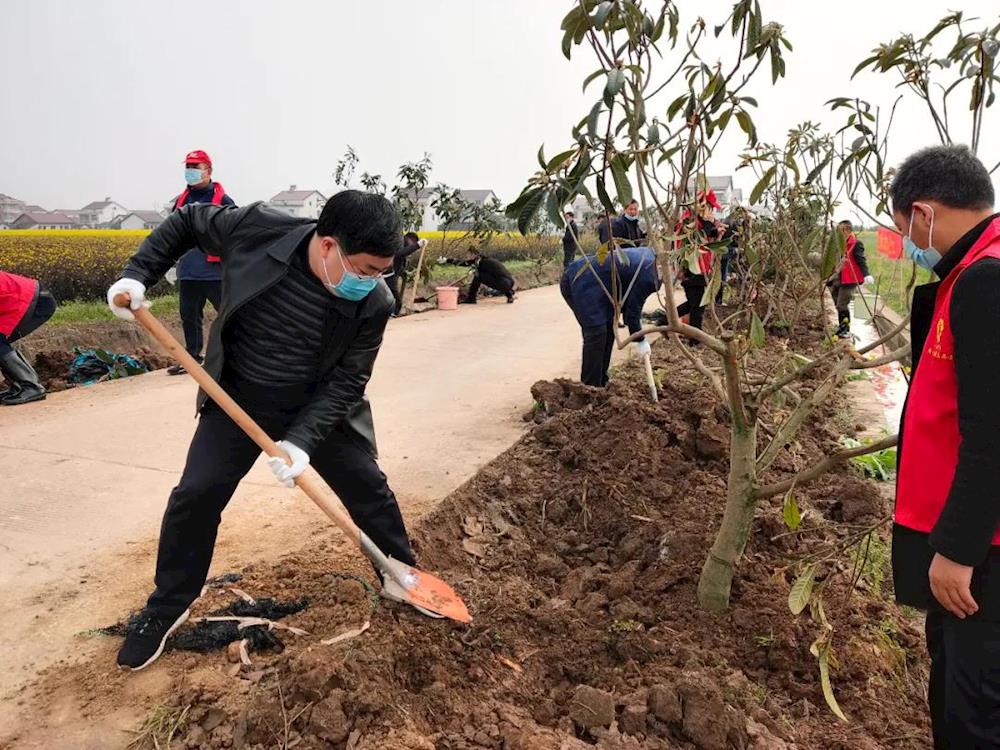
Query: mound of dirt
x=578 y=552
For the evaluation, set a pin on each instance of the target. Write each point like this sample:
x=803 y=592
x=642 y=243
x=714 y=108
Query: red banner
x=889 y=243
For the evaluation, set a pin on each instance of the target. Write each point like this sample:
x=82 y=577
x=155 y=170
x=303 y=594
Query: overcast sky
x=104 y=97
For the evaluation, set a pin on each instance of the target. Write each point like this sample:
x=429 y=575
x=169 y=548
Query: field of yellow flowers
x=80 y=264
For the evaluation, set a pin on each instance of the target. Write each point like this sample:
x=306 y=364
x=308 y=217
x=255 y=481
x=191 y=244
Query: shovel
x=402 y=582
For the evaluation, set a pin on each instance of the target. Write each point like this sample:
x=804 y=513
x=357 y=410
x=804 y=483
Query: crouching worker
x=488 y=272
x=586 y=287
x=301 y=322
x=24 y=306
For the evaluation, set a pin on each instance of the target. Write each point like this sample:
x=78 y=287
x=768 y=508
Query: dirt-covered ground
x=578 y=552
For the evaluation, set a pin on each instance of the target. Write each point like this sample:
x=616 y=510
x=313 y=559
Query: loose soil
x=578 y=552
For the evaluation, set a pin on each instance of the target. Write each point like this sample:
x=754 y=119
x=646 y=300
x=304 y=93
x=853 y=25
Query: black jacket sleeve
x=860 y=259
x=344 y=387
x=196 y=225
x=965 y=529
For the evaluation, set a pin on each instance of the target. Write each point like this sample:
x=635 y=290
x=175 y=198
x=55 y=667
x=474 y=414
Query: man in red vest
x=852 y=271
x=199 y=274
x=946 y=544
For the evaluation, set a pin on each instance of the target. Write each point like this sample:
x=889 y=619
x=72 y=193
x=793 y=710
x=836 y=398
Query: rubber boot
x=10 y=386
x=844 y=331
x=25 y=380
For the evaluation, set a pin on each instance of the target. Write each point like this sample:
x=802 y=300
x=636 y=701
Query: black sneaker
x=146 y=638
x=177 y=369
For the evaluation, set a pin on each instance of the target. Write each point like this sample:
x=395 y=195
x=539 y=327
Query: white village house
x=725 y=191
x=138 y=220
x=43 y=220
x=101 y=213
x=430 y=218
x=305 y=204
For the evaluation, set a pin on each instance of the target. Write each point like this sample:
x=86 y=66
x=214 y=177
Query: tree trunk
x=717 y=573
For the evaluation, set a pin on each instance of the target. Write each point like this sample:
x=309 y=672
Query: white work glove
x=869 y=280
x=642 y=348
x=421 y=243
x=441 y=261
x=282 y=471
x=134 y=289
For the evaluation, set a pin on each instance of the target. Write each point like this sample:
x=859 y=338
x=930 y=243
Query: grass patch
x=160 y=728
x=76 y=312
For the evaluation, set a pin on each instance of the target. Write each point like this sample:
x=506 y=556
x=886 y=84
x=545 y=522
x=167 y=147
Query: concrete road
x=86 y=473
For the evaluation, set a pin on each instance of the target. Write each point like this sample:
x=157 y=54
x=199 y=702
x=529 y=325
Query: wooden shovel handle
x=416 y=277
x=225 y=402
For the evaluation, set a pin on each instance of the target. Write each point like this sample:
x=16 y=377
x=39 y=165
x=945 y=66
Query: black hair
x=361 y=223
x=632 y=202
x=570 y=213
x=846 y=223
x=951 y=175
x=412 y=236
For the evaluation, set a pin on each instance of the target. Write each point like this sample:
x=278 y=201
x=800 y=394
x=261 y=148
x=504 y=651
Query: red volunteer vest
x=850 y=273
x=930 y=427
x=16 y=294
x=705 y=258
x=218 y=192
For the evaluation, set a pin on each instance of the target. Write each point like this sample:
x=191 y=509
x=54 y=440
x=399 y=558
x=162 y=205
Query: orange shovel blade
x=427 y=591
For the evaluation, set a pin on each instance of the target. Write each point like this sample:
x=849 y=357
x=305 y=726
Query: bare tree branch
x=823 y=466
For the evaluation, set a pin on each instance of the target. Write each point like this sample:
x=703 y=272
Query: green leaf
x=714 y=284
x=822 y=653
x=602 y=14
x=622 y=184
x=541 y=156
x=557 y=161
x=746 y=125
x=592 y=77
x=756 y=332
x=790 y=511
x=616 y=82
x=864 y=64
x=676 y=105
x=653 y=136
x=798 y=597
x=602 y=252
x=554 y=209
x=834 y=250
x=592 y=119
x=761 y=186
x=603 y=197
x=529 y=209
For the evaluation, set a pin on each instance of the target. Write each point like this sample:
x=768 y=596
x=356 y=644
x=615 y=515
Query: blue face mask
x=925 y=258
x=351 y=286
x=632 y=218
x=193 y=175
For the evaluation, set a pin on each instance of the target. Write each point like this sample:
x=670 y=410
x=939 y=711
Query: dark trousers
x=220 y=456
x=504 y=285
x=43 y=309
x=724 y=262
x=842 y=295
x=964 y=694
x=598 y=343
x=694 y=290
x=193 y=295
x=569 y=255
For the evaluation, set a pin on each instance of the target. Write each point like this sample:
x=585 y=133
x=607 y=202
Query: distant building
x=431 y=220
x=43 y=220
x=75 y=214
x=10 y=209
x=101 y=213
x=305 y=204
x=725 y=192
x=138 y=220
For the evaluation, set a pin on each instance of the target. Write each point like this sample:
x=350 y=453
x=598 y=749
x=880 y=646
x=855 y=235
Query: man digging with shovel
x=304 y=307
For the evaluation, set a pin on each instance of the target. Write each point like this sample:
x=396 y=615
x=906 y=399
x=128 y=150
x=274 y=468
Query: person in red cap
x=199 y=274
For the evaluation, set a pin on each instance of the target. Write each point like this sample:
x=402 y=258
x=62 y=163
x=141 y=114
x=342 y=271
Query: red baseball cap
x=198 y=157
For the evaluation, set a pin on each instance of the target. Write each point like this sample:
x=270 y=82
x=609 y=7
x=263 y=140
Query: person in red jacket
x=946 y=532
x=24 y=306
x=851 y=272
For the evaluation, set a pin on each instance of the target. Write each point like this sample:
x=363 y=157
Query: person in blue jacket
x=586 y=286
